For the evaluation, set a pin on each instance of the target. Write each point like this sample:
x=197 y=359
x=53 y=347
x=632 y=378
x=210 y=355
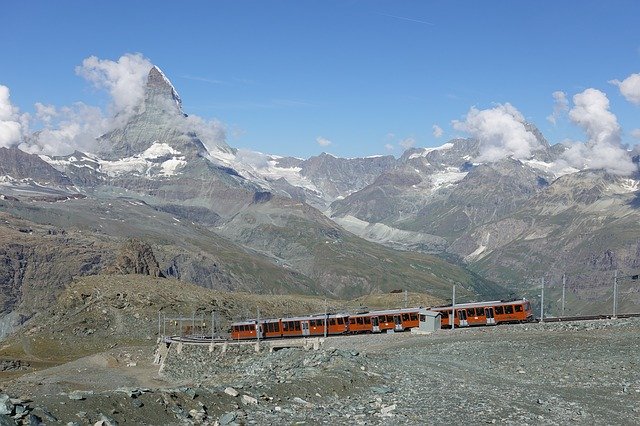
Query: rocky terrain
x=557 y=373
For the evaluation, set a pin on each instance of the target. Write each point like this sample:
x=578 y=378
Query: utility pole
x=615 y=294
x=258 y=327
x=325 y=317
x=213 y=325
x=542 y=302
x=453 y=308
x=564 y=284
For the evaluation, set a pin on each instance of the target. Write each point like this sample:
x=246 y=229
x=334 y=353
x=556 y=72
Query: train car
x=270 y=328
x=291 y=327
x=486 y=313
x=243 y=330
x=338 y=324
x=303 y=326
x=362 y=323
x=379 y=321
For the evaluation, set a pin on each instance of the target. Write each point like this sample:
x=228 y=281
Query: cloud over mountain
x=124 y=79
x=501 y=132
x=603 y=149
x=11 y=122
x=560 y=106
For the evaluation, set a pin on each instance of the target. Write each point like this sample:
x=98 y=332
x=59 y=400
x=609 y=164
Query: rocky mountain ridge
x=229 y=219
x=199 y=220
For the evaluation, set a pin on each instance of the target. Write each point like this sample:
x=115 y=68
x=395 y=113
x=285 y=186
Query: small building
x=429 y=321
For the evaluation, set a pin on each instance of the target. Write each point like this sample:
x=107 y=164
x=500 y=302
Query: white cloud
x=389 y=147
x=67 y=129
x=560 y=106
x=500 y=131
x=635 y=133
x=12 y=123
x=212 y=133
x=45 y=113
x=437 y=131
x=407 y=143
x=255 y=159
x=323 y=141
x=125 y=79
x=591 y=112
x=603 y=149
x=629 y=88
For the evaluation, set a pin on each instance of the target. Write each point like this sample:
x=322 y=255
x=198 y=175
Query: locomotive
x=464 y=315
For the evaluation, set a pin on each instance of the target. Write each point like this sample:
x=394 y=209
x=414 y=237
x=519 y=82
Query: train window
x=390 y=318
x=405 y=317
x=352 y=320
x=270 y=326
x=332 y=321
x=367 y=320
x=508 y=309
x=444 y=315
x=499 y=310
x=423 y=318
x=340 y=321
x=413 y=316
x=471 y=312
x=297 y=323
x=479 y=312
x=285 y=326
x=518 y=308
x=359 y=320
x=276 y=327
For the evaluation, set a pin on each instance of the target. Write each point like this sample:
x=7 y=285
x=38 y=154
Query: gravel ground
x=584 y=372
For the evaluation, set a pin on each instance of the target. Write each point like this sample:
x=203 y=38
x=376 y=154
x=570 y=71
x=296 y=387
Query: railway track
x=204 y=340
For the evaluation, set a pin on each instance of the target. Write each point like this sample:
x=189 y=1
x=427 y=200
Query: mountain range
x=172 y=201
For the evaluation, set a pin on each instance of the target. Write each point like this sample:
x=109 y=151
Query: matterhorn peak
x=159 y=90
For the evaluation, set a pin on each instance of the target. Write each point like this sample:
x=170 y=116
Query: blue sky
x=361 y=74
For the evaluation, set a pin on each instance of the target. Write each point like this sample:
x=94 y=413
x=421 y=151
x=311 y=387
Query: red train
x=467 y=314
x=486 y=313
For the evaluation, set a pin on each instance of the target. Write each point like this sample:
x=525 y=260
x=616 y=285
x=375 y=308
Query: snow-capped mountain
x=297 y=212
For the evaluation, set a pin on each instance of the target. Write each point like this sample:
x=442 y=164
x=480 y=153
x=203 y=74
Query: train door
x=375 y=325
x=488 y=312
x=305 y=328
x=260 y=331
x=398 y=322
x=462 y=316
